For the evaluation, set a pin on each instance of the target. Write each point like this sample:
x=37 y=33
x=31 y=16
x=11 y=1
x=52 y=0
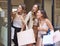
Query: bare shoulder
x=47 y=21
x=13 y=14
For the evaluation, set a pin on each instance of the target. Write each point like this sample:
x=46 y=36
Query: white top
x=44 y=25
x=17 y=21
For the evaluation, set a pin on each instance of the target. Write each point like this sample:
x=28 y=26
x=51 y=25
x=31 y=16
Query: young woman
x=44 y=25
x=30 y=18
x=18 y=21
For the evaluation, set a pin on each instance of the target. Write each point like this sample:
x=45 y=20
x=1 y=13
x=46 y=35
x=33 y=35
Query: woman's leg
x=15 y=39
x=38 y=43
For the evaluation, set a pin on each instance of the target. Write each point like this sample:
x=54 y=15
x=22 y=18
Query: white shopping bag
x=56 y=36
x=48 y=39
x=12 y=32
x=25 y=37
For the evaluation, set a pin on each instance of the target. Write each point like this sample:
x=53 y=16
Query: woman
x=30 y=18
x=44 y=25
x=18 y=22
x=32 y=15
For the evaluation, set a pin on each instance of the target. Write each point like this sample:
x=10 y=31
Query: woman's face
x=39 y=14
x=19 y=9
x=35 y=8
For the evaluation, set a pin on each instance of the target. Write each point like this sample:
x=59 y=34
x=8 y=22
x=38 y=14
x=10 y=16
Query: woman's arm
x=23 y=24
x=23 y=21
x=13 y=15
x=49 y=26
x=27 y=17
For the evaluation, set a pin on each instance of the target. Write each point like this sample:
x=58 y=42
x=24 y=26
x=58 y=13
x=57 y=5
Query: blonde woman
x=18 y=21
x=30 y=18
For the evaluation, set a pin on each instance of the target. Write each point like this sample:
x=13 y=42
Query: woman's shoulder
x=29 y=14
x=47 y=20
x=13 y=15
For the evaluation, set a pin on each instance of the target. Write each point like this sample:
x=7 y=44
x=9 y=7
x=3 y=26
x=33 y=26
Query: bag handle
x=25 y=29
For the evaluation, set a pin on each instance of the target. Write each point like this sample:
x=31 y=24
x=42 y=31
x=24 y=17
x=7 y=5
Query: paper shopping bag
x=47 y=39
x=26 y=37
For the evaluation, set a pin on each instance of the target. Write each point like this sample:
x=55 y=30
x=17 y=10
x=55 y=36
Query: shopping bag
x=48 y=39
x=25 y=37
x=56 y=36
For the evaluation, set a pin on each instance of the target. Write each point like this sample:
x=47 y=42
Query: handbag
x=25 y=37
x=48 y=38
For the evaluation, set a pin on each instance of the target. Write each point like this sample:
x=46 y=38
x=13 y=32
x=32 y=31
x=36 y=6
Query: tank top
x=44 y=25
x=17 y=21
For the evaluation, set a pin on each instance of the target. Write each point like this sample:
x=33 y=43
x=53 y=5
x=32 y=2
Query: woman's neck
x=41 y=19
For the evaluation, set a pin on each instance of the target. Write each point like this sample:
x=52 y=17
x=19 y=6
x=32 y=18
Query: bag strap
x=25 y=29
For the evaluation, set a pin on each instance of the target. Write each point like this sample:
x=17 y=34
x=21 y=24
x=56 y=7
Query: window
x=3 y=23
x=57 y=13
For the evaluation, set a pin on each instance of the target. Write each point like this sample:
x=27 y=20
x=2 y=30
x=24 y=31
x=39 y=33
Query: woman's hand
x=23 y=20
x=39 y=28
x=23 y=27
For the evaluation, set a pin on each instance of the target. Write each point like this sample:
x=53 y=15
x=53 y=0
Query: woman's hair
x=43 y=12
x=34 y=14
x=23 y=7
x=38 y=5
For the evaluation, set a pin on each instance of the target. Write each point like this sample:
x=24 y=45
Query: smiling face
x=35 y=8
x=19 y=9
x=39 y=15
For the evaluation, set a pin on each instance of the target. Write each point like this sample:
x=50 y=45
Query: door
x=52 y=8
